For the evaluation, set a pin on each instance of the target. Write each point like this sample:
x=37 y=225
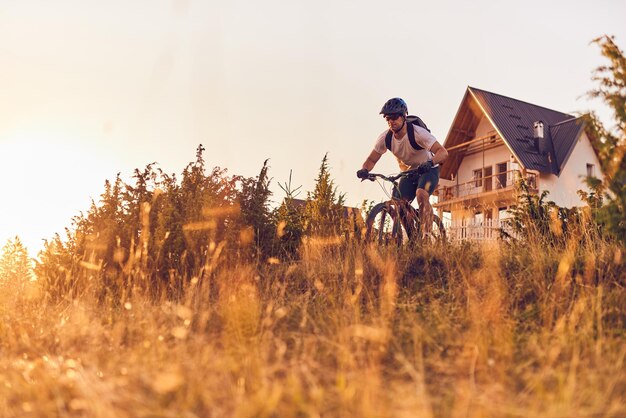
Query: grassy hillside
x=188 y=296
x=348 y=330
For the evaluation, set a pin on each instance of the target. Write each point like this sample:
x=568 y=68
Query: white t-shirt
x=403 y=150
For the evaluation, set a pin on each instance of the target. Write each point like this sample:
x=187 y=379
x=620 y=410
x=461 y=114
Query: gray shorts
x=409 y=185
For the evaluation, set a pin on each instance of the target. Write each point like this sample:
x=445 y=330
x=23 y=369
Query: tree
x=323 y=212
x=15 y=265
x=611 y=143
x=255 y=211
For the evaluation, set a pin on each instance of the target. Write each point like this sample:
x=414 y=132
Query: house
x=493 y=141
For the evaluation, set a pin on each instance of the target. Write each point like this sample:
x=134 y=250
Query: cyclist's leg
x=426 y=185
x=425 y=212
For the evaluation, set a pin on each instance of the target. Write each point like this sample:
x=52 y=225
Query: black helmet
x=395 y=105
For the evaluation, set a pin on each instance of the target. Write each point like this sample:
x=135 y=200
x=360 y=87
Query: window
x=501 y=175
x=478 y=177
x=591 y=172
x=531 y=180
x=488 y=179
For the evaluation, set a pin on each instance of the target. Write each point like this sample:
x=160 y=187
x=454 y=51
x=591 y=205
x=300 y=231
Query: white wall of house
x=563 y=188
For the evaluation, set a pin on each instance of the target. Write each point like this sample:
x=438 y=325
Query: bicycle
x=396 y=220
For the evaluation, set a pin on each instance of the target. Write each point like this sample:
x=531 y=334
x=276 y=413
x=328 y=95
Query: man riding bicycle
x=414 y=150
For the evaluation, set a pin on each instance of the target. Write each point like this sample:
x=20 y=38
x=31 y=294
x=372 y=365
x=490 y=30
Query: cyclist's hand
x=425 y=167
x=363 y=173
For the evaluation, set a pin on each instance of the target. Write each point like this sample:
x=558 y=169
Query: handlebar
x=392 y=178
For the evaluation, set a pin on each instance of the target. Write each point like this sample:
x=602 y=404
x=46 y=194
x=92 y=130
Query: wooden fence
x=475 y=230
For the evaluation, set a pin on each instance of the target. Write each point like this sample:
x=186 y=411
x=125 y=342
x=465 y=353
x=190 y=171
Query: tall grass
x=348 y=330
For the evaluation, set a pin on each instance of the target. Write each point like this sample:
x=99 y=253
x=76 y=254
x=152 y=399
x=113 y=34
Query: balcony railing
x=503 y=181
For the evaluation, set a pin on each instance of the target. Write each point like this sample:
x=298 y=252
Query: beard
x=395 y=131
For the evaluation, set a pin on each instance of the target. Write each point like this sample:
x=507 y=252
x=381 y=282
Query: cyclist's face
x=394 y=121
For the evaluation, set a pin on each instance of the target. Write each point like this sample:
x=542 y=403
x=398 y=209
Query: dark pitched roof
x=514 y=121
x=564 y=136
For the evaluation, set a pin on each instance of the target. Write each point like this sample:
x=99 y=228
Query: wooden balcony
x=499 y=187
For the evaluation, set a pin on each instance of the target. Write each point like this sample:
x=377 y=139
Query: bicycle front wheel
x=385 y=224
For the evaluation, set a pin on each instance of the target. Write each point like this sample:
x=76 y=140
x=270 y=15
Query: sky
x=89 y=89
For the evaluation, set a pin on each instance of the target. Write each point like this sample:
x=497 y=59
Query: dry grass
x=347 y=331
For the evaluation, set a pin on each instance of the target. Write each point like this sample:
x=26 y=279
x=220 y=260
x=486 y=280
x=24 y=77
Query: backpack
x=410 y=121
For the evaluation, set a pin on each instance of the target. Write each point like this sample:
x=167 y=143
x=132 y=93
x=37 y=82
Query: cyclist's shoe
x=431 y=237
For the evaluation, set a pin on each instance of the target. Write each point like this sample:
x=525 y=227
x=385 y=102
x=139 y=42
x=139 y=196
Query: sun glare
x=47 y=178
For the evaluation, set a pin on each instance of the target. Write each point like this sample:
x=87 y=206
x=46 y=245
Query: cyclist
x=424 y=153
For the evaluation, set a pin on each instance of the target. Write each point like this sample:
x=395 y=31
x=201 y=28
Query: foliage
x=256 y=213
x=15 y=265
x=59 y=265
x=289 y=222
x=530 y=217
x=323 y=213
x=158 y=234
x=610 y=144
x=538 y=221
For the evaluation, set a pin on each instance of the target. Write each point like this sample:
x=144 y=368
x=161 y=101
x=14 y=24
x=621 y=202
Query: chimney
x=538 y=129
x=538 y=135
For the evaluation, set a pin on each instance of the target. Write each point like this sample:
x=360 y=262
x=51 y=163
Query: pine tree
x=255 y=211
x=324 y=205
